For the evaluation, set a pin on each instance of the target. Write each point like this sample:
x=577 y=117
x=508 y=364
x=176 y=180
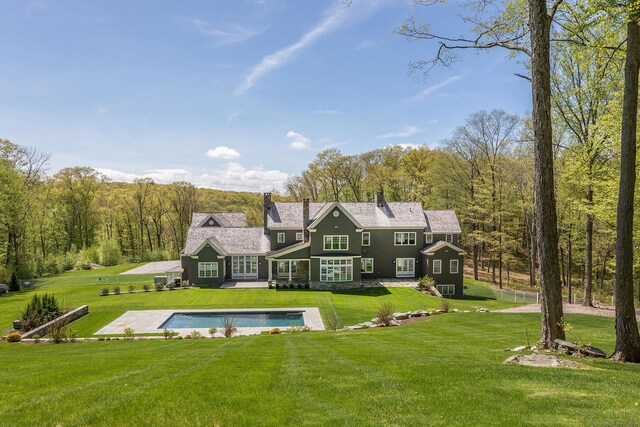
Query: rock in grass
x=519 y=348
x=591 y=351
x=564 y=346
x=482 y=310
x=541 y=361
x=401 y=316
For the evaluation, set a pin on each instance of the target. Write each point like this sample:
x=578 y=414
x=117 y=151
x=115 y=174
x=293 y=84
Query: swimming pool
x=245 y=319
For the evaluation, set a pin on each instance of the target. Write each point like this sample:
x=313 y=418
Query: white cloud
x=408 y=131
x=223 y=153
x=334 y=18
x=232 y=176
x=223 y=34
x=431 y=89
x=298 y=141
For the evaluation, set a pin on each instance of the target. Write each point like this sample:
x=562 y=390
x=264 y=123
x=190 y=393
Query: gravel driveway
x=568 y=308
x=159 y=267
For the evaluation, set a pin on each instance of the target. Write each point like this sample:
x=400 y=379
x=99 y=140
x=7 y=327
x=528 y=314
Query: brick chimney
x=305 y=219
x=266 y=206
x=379 y=199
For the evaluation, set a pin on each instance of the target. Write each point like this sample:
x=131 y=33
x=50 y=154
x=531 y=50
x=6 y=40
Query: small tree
x=334 y=322
x=384 y=314
x=229 y=327
x=14 y=285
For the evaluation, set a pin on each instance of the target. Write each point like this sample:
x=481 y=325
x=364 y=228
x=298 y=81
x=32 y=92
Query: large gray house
x=328 y=245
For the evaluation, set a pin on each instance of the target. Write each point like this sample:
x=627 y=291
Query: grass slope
x=446 y=370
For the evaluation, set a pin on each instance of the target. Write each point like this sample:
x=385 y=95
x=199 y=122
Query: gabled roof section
x=228 y=240
x=328 y=208
x=223 y=219
x=442 y=222
x=432 y=249
x=283 y=215
x=289 y=249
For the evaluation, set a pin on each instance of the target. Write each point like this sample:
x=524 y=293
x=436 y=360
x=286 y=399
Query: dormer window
x=449 y=238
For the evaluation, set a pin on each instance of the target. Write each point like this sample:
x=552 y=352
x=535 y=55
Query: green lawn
x=444 y=370
x=78 y=288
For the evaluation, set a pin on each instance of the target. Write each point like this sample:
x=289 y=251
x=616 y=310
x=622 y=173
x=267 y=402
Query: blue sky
x=231 y=94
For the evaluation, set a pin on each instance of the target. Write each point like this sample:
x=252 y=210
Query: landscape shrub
x=270 y=285
x=277 y=286
x=306 y=286
x=334 y=322
x=110 y=253
x=196 y=335
x=14 y=337
x=40 y=310
x=171 y=285
x=132 y=288
x=72 y=335
x=168 y=334
x=14 y=285
x=299 y=285
x=3 y=289
x=128 y=333
x=212 y=331
x=146 y=287
x=100 y=338
x=305 y=328
x=444 y=305
x=228 y=327
x=275 y=331
x=58 y=331
x=104 y=292
x=116 y=289
x=36 y=338
x=425 y=282
x=384 y=313
x=159 y=286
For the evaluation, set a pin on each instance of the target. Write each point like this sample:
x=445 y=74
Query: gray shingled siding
x=446 y=254
x=330 y=225
x=289 y=238
x=384 y=252
x=190 y=265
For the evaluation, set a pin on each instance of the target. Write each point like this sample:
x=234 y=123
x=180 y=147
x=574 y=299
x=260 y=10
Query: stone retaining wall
x=68 y=317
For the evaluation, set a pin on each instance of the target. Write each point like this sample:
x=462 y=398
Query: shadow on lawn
x=473 y=298
x=366 y=292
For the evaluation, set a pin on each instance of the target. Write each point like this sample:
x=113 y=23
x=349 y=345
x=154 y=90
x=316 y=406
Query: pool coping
x=149 y=321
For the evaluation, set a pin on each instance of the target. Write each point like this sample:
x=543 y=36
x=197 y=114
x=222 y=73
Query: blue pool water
x=244 y=319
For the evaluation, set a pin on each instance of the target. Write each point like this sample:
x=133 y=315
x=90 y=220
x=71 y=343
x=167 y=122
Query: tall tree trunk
x=588 y=253
x=545 y=206
x=569 y=266
x=532 y=254
x=627 y=337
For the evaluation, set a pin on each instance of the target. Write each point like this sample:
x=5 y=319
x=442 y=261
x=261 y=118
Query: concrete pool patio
x=150 y=321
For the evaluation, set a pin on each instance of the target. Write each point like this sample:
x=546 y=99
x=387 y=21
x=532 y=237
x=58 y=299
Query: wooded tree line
x=76 y=217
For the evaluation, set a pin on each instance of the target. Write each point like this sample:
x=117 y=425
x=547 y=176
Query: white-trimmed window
x=336 y=269
x=405 y=267
x=428 y=237
x=366 y=238
x=446 y=289
x=336 y=243
x=299 y=235
x=283 y=268
x=366 y=265
x=207 y=270
x=281 y=237
x=453 y=266
x=437 y=266
x=403 y=238
x=449 y=238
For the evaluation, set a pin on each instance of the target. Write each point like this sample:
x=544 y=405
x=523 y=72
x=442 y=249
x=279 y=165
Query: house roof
x=432 y=249
x=325 y=211
x=392 y=214
x=442 y=222
x=225 y=219
x=288 y=249
x=229 y=240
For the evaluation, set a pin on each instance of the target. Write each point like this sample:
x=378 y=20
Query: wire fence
x=516 y=296
x=121 y=279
